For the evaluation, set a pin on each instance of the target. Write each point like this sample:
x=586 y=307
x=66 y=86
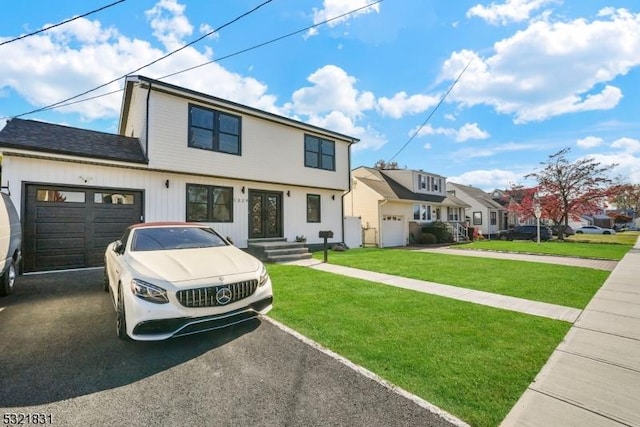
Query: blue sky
x=541 y=75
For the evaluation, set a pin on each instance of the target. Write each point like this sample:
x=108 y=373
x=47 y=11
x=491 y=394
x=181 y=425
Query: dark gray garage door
x=70 y=227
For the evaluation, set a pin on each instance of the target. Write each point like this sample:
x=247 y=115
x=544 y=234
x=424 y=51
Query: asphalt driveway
x=59 y=355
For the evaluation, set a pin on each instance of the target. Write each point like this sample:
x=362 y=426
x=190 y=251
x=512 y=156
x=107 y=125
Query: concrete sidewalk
x=593 y=377
x=551 y=311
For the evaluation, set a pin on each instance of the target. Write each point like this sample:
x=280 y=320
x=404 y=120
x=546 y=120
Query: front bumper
x=176 y=327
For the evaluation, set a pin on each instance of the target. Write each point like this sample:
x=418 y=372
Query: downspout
x=146 y=130
x=380 y=205
x=349 y=191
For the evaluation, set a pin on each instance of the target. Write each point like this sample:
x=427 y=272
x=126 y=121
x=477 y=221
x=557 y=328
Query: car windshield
x=167 y=238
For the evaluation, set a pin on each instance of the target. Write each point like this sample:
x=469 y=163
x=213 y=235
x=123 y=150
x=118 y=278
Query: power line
x=49 y=107
x=433 y=111
x=65 y=103
x=61 y=23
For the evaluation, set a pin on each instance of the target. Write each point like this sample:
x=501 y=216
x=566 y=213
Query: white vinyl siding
x=271 y=152
x=162 y=203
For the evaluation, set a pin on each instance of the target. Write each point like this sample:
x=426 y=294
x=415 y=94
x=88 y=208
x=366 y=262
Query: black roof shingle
x=41 y=137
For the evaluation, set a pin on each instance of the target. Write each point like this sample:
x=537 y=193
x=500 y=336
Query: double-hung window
x=207 y=203
x=319 y=153
x=214 y=130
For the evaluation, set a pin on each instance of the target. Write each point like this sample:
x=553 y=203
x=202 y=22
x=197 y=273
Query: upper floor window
x=422 y=182
x=214 y=130
x=209 y=204
x=319 y=153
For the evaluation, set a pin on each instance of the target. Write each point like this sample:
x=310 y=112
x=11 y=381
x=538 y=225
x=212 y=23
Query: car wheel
x=578 y=232
x=606 y=232
x=8 y=280
x=503 y=237
x=105 y=281
x=121 y=318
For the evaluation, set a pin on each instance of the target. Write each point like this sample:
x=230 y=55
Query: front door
x=265 y=214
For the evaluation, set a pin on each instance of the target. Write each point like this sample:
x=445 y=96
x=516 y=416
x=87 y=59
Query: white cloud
x=589 y=142
x=170 y=25
x=402 y=104
x=334 y=8
x=466 y=132
x=333 y=89
x=628 y=164
x=629 y=145
x=510 y=11
x=472 y=152
x=551 y=69
x=487 y=180
x=82 y=54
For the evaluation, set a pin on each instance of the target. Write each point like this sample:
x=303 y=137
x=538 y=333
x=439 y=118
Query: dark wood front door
x=265 y=214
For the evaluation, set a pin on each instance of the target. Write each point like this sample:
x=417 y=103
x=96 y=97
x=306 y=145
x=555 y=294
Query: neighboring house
x=485 y=214
x=511 y=203
x=391 y=202
x=179 y=155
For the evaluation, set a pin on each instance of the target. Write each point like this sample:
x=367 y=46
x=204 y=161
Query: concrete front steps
x=277 y=250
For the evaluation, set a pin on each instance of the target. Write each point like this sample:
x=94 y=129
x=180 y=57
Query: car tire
x=606 y=232
x=503 y=237
x=121 y=318
x=8 y=280
x=578 y=232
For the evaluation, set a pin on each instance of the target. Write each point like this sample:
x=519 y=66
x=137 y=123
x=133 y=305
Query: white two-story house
x=485 y=215
x=392 y=203
x=179 y=155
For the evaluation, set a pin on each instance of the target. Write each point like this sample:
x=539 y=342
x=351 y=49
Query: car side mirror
x=118 y=247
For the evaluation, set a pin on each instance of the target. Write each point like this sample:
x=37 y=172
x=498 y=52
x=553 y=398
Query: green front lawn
x=570 y=247
x=555 y=284
x=473 y=361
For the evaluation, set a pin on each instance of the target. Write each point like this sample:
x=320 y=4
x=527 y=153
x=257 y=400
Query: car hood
x=182 y=265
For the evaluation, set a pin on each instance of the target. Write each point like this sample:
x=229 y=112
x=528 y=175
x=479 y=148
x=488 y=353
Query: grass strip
x=555 y=284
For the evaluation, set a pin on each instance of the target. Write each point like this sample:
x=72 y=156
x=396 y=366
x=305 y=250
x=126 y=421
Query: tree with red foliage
x=626 y=197
x=567 y=189
x=521 y=201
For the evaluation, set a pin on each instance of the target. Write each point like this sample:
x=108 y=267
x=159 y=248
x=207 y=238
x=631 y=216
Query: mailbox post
x=325 y=235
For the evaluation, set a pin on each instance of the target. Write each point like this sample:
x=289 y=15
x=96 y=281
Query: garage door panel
x=66 y=243
x=72 y=234
x=59 y=213
x=58 y=261
x=63 y=228
x=393 y=231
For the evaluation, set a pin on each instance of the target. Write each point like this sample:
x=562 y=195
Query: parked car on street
x=10 y=244
x=174 y=279
x=525 y=232
x=568 y=230
x=594 y=229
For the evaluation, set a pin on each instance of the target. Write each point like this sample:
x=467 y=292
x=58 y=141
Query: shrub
x=439 y=230
x=427 y=239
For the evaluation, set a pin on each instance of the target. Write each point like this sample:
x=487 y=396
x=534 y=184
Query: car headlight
x=149 y=292
x=264 y=276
